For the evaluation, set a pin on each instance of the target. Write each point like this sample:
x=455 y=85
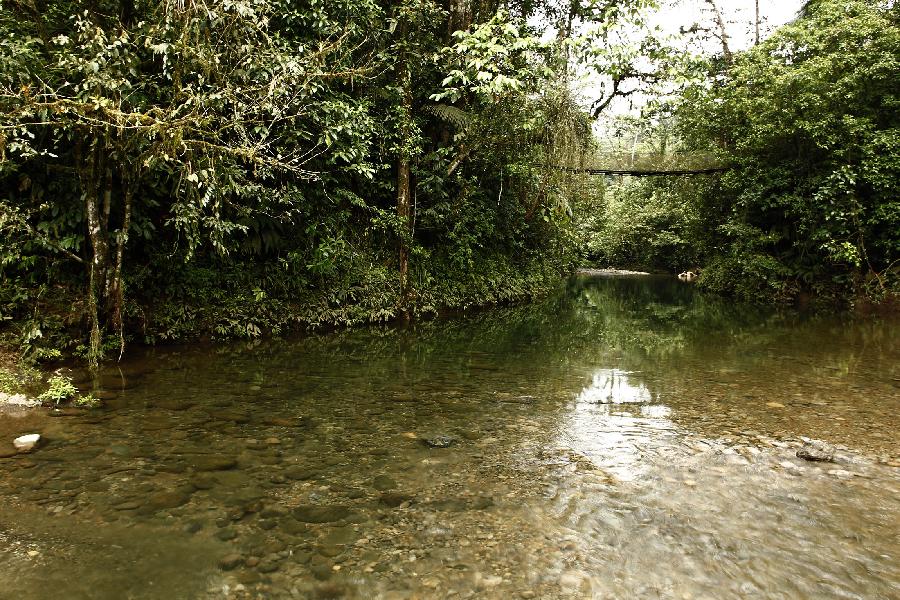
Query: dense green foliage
x=237 y=167
x=809 y=122
x=646 y=226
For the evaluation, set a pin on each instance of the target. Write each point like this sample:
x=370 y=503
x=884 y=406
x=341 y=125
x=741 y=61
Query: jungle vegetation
x=236 y=168
x=807 y=121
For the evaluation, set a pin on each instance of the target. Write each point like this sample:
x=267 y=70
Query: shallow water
x=626 y=438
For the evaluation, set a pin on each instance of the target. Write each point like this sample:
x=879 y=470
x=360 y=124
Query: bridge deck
x=648 y=172
x=649 y=165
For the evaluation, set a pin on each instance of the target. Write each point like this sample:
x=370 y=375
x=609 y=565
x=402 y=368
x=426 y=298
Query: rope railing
x=648 y=164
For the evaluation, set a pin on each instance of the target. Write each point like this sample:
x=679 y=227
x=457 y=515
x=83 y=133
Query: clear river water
x=623 y=438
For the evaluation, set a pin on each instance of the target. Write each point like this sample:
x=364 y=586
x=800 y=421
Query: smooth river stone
x=292 y=527
x=269 y=564
x=301 y=473
x=230 y=561
x=320 y=514
x=168 y=499
x=383 y=483
x=213 y=463
x=203 y=482
x=127 y=505
x=394 y=499
x=341 y=536
x=24 y=443
x=231 y=416
x=816 y=451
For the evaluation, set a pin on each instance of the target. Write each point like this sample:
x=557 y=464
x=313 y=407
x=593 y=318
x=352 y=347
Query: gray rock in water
x=439 y=441
x=341 y=536
x=383 y=483
x=321 y=570
x=267 y=524
x=24 y=443
x=270 y=512
x=193 y=527
x=817 y=452
x=127 y=505
x=309 y=513
x=269 y=564
x=394 y=499
x=331 y=550
x=203 y=481
x=354 y=493
x=168 y=499
x=301 y=473
x=230 y=561
x=213 y=463
x=292 y=527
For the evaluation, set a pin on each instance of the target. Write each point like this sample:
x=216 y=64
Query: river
x=624 y=438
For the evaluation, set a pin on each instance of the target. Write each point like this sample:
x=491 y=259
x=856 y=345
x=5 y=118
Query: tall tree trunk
x=756 y=24
x=118 y=286
x=723 y=33
x=459 y=18
x=104 y=224
x=404 y=176
x=403 y=211
x=89 y=171
x=97 y=272
x=404 y=189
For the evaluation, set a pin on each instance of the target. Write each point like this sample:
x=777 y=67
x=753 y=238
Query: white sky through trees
x=675 y=15
x=739 y=16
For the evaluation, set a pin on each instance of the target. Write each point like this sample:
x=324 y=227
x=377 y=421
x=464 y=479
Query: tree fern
x=449 y=114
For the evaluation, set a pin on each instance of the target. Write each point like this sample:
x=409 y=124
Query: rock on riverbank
x=17 y=401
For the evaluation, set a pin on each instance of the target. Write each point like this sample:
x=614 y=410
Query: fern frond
x=449 y=114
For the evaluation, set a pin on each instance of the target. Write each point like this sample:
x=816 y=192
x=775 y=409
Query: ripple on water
x=626 y=439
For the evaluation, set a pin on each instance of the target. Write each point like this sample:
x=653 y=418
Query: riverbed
x=623 y=438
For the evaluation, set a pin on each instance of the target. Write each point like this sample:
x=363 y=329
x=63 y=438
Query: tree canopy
x=326 y=146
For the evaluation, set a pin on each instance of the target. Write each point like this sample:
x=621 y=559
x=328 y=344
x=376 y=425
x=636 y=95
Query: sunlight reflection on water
x=611 y=386
x=613 y=424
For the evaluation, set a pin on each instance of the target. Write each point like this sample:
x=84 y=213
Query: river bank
x=202 y=305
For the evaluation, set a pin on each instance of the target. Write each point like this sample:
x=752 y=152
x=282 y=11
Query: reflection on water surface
x=611 y=386
x=623 y=439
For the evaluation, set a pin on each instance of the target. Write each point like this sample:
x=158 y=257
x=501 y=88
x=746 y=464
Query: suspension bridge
x=649 y=164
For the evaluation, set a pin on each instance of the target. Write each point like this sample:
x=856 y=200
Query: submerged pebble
x=439 y=441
